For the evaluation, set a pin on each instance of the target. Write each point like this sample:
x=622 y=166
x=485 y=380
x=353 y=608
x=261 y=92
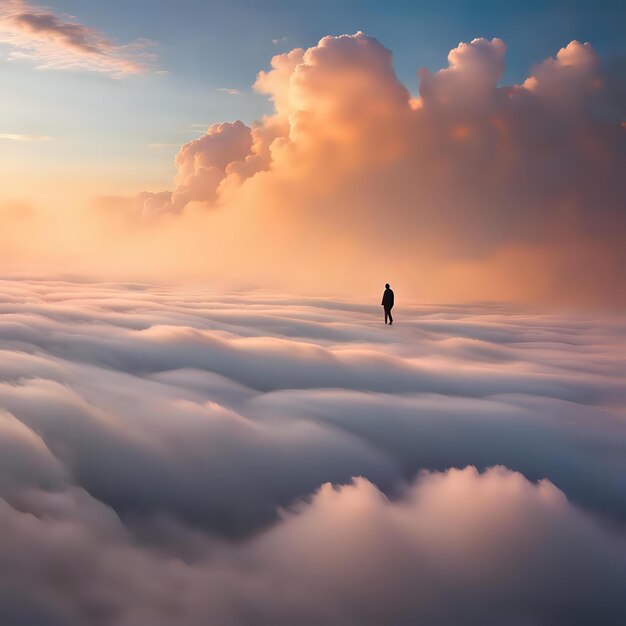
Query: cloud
x=54 y=42
x=201 y=166
x=28 y=138
x=510 y=189
x=229 y=91
x=162 y=145
x=176 y=455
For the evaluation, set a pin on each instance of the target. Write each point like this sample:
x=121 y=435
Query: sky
x=203 y=417
x=102 y=98
x=107 y=131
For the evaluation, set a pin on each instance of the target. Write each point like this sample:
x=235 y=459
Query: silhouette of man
x=387 y=303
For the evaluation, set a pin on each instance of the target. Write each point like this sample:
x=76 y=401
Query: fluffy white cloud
x=159 y=449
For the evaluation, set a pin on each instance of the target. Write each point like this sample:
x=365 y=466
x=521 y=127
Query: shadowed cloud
x=179 y=456
x=54 y=42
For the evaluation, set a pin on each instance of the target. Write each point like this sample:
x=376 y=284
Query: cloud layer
x=171 y=456
x=56 y=42
x=516 y=189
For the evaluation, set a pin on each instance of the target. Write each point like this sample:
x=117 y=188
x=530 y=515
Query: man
x=387 y=303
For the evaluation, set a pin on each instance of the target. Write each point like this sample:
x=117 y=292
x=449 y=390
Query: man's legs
x=388 y=316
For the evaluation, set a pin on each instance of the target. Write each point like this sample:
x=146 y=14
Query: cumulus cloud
x=201 y=166
x=518 y=187
x=178 y=456
x=57 y=42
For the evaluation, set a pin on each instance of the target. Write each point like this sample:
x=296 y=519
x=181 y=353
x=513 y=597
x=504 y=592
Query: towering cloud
x=517 y=185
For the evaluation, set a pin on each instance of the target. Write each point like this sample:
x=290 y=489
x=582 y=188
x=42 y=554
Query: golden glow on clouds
x=470 y=191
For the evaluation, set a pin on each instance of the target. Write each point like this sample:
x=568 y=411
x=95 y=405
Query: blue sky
x=106 y=125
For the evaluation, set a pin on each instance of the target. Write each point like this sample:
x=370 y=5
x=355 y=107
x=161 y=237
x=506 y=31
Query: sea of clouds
x=176 y=456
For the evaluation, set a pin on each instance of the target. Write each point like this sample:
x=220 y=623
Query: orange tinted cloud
x=466 y=191
x=351 y=164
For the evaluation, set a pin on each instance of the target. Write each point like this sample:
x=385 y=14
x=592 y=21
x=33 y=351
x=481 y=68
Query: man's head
x=387 y=286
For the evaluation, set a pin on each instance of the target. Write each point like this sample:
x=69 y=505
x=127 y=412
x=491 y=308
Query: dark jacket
x=387 y=299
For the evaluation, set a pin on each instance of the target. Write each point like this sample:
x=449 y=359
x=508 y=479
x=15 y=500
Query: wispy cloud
x=229 y=91
x=279 y=40
x=163 y=145
x=59 y=42
x=19 y=137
